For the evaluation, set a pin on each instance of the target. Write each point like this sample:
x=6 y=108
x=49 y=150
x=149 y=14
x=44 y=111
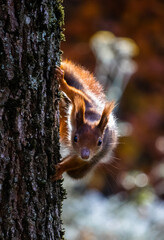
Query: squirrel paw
x=58 y=173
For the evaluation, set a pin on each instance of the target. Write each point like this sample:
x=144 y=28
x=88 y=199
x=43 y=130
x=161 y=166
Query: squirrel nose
x=85 y=153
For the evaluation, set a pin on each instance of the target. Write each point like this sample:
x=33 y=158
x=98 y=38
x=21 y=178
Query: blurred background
x=122 y=43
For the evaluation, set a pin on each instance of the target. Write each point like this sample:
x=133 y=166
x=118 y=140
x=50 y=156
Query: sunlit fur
x=85 y=112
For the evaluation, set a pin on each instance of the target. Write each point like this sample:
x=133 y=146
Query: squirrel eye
x=75 y=138
x=99 y=142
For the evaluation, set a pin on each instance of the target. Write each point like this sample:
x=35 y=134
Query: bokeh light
x=122 y=43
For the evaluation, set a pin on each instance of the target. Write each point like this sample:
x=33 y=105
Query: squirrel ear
x=80 y=116
x=79 y=111
x=105 y=115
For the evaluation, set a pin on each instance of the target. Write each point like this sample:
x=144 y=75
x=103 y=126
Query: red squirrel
x=88 y=130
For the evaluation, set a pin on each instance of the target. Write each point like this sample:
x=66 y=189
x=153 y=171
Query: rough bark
x=30 y=34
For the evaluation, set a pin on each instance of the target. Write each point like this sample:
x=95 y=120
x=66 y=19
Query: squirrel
x=88 y=131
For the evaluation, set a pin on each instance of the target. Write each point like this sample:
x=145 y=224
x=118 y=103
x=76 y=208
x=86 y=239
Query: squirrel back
x=80 y=78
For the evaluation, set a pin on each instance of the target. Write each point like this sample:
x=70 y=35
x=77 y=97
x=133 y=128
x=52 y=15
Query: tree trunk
x=30 y=34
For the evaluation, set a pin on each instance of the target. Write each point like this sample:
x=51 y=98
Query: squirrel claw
x=59 y=72
x=56 y=177
x=58 y=173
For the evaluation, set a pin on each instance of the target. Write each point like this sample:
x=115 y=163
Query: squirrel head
x=87 y=139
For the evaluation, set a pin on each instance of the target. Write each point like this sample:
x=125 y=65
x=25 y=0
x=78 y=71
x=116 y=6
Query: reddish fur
x=63 y=122
x=105 y=115
x=78 y=108
x=87 y=122
x=84 y=77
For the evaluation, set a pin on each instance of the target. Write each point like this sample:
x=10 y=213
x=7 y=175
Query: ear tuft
x=78 y=111
x=109 y=106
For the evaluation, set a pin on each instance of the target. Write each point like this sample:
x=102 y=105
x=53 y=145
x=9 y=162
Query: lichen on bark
x=30 y=35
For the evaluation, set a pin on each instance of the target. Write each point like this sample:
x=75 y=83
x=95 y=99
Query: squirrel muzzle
x=85 y=153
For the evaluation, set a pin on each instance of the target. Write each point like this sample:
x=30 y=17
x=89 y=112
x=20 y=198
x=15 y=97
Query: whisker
x=107 y=174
